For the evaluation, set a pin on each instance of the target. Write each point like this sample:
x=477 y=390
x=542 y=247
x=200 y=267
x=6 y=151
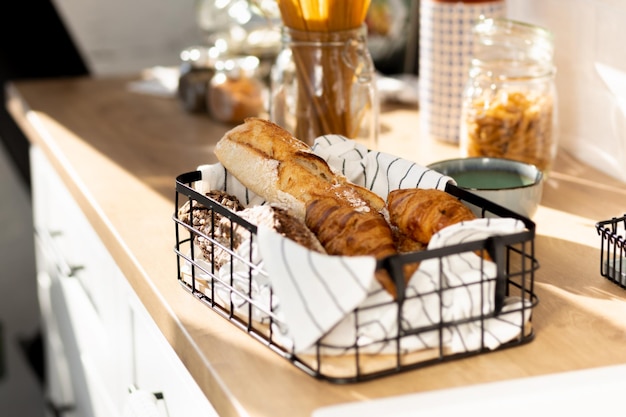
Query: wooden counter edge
x=166 y=318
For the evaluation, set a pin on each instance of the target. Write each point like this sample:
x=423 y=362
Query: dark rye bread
x=219 y=228
x=203 y=220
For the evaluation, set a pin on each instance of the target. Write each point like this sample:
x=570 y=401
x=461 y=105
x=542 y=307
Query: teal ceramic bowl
x=512 y=184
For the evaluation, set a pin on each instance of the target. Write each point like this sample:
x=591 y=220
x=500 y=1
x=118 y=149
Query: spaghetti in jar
x=324 y=80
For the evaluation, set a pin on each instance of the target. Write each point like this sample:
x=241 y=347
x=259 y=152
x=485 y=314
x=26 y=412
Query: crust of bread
x=284 y=170
x=420 y=213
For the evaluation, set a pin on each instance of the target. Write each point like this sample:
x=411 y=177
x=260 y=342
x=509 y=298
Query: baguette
x=284 y=170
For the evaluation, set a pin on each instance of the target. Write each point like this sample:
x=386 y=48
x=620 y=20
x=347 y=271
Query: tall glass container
x=324 y=83
x=510 y=100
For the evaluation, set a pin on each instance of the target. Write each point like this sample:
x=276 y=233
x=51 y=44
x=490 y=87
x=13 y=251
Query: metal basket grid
x=613 y=249
x=514 y=256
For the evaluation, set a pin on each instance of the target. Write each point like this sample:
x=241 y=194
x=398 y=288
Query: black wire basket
x=513 y=254
x=613 y=249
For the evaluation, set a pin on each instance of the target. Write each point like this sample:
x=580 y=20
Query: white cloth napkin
x=315 y=294
x=319 y=292
x=378 y=171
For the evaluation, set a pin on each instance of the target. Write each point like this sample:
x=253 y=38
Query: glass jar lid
x=513 y=47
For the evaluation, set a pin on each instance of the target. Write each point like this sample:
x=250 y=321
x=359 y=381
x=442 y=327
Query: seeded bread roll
x=230 y=236
x=284 y=170
x=212 y=224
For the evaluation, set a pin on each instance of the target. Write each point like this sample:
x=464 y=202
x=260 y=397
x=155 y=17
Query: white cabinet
x=159 y=370
x=100 y=342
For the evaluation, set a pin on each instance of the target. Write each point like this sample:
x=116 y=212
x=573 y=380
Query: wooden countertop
x=119 y=153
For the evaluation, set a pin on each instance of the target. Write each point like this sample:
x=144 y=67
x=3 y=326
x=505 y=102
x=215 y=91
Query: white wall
x=588 y=34
x=125 y=36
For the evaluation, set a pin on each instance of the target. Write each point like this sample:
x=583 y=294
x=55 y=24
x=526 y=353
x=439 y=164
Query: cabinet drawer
x=59 y=391
x=110 y=342
x=77 y=250
x=159 y=369
x=87 y=317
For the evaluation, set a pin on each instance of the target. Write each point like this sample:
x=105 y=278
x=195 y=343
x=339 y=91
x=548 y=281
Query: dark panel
x=34 y=43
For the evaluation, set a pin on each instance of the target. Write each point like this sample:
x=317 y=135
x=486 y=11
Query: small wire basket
x=613 y=249
x=230 y=292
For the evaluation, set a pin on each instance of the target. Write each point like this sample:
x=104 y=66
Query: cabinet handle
x=141 y=402
x=47 y=239
x=74 y=269
x=158 y=395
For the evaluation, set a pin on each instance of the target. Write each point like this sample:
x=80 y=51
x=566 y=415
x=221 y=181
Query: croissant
x=420 y=213
x=344 y=230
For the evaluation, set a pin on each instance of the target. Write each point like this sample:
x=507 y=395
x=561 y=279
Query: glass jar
x=324 y=83
x=235 y=91
x=241 y=28
x=196 y=70
x=510 y=100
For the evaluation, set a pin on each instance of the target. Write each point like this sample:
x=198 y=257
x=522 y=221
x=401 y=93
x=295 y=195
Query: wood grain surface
x=119 y=152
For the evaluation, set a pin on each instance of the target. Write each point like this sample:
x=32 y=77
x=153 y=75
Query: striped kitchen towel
x=315 y=295
x=377 y=171
x=318 y=294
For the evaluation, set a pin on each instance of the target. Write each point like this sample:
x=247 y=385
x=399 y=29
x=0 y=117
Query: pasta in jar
x=510 y=101
x=514 y=125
